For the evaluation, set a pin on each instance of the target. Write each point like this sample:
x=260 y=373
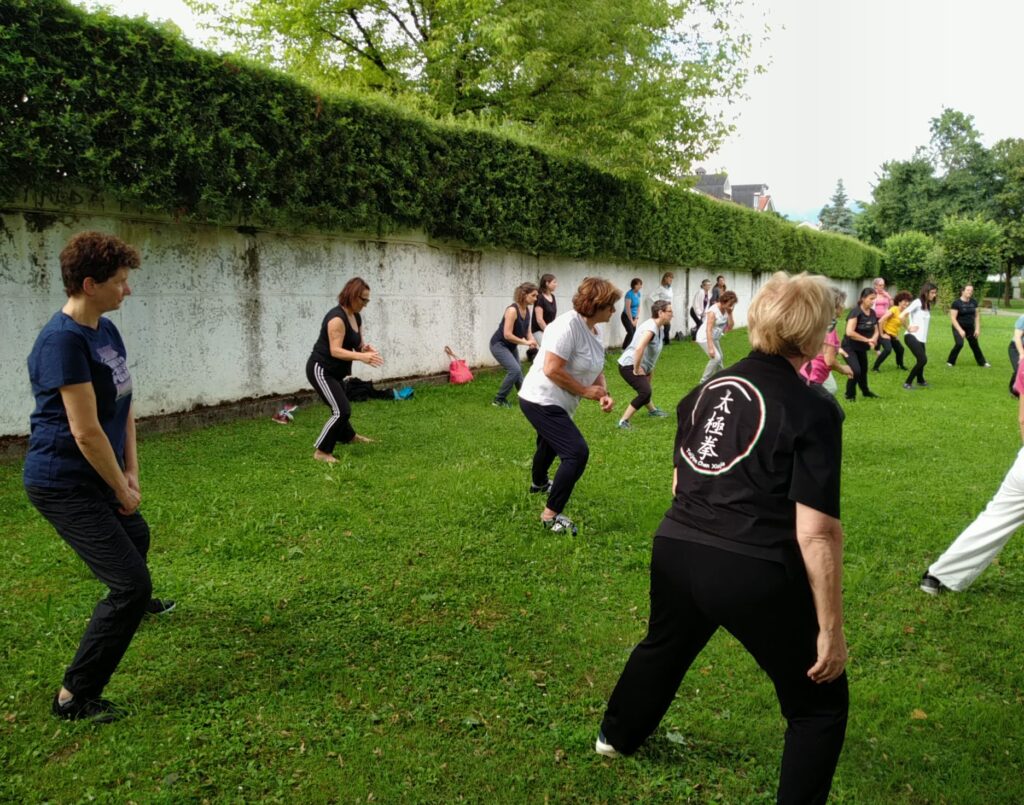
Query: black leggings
x=694 y=590
x=627 y=322
x=557 y=435
x=920 y=360
x=958 y=344
x=857 y=360
x=891 y=344
x=641 y=384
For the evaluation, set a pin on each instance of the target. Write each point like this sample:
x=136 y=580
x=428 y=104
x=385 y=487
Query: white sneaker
x=602 y=747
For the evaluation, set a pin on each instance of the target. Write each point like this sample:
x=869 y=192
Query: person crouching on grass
x=636 y=364
x=752 y=543
x=569 y=366
x=82 y=467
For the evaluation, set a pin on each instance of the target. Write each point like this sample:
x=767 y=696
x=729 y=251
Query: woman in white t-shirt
x=717 y=321
x=917 y=317
x=570 y=365
x=636 y=364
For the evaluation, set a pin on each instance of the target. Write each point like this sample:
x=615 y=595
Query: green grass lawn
x=399 y=628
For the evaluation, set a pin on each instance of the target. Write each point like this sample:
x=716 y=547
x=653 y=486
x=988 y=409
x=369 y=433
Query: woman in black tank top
x=544 y=311
x=339 y=344
x=513 y=330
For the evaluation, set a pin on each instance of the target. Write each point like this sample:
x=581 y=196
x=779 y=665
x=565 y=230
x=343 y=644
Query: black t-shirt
x=322 y=348
x=866 y=323
x=751 y=443
x=965 y=313
x=550 y=311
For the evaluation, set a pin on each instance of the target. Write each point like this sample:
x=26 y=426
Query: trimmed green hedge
x=121 y=106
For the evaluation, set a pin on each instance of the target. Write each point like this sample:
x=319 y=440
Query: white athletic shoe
x=602 y=747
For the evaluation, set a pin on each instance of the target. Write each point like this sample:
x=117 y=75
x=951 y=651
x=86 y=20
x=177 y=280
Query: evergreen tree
x=837 y=217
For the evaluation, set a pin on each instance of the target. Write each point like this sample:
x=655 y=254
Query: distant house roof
x=755 y=196
x=714 y=184
x=717 y=185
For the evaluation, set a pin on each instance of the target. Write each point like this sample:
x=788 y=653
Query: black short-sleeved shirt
x=550 y=311
x=965 y=313
x=866 y=323
x=751 y=443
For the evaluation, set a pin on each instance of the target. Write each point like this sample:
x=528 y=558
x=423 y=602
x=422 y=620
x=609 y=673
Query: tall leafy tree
x=964 y=164
x=837 y=216
x=907 y=196
x=635 y=86
x=1008 y=202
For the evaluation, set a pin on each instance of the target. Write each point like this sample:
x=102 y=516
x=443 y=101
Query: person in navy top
x=752 y=543
x=82 y=468
x=631 y=310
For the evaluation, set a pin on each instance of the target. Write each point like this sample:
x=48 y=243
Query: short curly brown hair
x=97 y=255
x=594 y=293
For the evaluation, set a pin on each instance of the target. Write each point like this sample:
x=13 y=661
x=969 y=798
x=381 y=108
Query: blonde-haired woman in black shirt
x=753 y=543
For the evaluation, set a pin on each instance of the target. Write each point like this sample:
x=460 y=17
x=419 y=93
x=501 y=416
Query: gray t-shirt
x=651 y=352
x=569 y=338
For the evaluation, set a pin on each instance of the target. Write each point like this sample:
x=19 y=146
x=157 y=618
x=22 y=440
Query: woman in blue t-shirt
x=82 y=468
x=631 y=309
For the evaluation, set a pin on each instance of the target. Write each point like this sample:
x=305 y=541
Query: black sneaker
x=99 y=711
x=159 y=606
x=544 y=487
x=870 y=395
x=560 y=524
x=931 y=585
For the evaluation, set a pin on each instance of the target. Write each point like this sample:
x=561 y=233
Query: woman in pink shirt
x=882 y=299
x=819 y=369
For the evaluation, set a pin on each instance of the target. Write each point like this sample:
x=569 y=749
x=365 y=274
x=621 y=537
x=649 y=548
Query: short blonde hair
x=594 y=293
x=789 y=316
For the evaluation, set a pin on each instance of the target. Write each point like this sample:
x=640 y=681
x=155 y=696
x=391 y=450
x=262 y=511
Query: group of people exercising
x=752 y=541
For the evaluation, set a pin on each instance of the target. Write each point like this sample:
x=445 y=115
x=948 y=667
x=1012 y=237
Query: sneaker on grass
x=501 y=403
x=931 y=585
x=544 y=487
x=602 y=747
x=159 y=606
x=657 y=412
x=624 y=425
x=560 y=524
x=99 y=711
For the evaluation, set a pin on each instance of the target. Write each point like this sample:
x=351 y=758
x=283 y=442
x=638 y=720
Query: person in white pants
x=981 y=541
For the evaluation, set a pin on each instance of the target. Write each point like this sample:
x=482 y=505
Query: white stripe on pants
x=979 y=543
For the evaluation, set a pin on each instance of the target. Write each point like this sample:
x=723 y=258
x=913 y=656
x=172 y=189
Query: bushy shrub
x=126 y=108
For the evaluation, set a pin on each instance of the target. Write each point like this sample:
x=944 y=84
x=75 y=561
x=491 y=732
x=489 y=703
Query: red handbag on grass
x=458 y=371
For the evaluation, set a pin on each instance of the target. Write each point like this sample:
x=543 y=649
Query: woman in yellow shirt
x=890 y=325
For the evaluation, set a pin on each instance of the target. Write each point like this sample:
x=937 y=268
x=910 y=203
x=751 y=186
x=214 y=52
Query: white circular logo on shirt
x=727 y=421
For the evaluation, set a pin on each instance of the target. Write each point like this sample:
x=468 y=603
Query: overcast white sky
x=850 y=85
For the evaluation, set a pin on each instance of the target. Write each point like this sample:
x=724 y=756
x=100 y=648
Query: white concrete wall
x=218 y=315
